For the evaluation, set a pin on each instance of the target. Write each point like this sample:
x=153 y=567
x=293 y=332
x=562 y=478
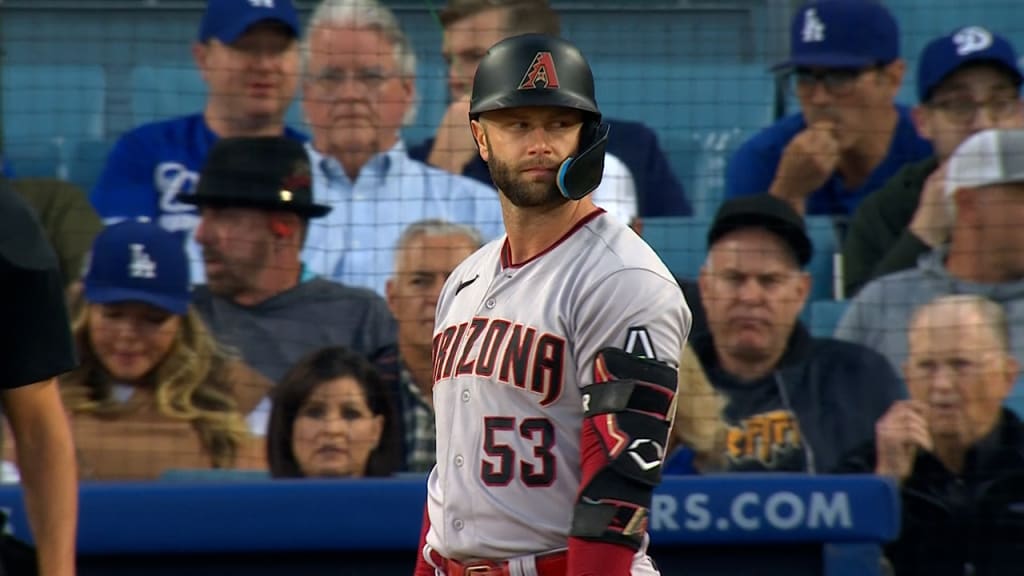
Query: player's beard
x=521 y=192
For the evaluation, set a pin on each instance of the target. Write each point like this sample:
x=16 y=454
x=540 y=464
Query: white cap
x=986 y=158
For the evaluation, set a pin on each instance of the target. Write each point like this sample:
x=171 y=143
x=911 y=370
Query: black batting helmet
x=538 y=70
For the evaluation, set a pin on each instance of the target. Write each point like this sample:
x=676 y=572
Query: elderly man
x=985 y=255
x=968 y=81
x=255 y=203
x=427 y=253
x=359 y=88
x=850 y=136
x=793 y=402
x=638 y=180
x=952 y=446
x=247 y=52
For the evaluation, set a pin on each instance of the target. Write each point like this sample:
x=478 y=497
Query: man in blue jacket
x=793 y=402
x=850 y=136
x=471 y=27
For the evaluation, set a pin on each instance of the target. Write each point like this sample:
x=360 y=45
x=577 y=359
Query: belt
x=550 y=564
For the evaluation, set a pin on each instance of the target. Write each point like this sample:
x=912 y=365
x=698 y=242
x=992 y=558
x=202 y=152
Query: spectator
x=697 y=443
x=69 y=221
x=952 y=445
x=967 y=81
x=332 y=417
x=638 y=180
x=793 y=402
x=247 y=53
x=255 y=202
x=359 y=90
x=36 y=350
x=154 y=391
x=985 y=255
x=850 y=137
x=427 y=253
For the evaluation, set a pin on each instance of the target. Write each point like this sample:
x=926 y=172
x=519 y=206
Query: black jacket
x=877 y=241
x=820 y=402
x=967 y=524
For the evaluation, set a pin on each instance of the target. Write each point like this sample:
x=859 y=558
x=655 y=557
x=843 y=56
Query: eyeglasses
x=837 y=81
x=369 y=79
x=965 y=110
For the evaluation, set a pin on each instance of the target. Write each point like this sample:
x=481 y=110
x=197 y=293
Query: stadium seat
x=87 y=162
x=701 y=112
x=48 y=110
x=681 y=242
x=822 y=268
x=824 y=316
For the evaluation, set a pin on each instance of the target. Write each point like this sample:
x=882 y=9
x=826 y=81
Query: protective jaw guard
x=581 y=174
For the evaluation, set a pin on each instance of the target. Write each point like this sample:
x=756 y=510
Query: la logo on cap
x=972 y=39
x=141 y=265
x=262 y=3
x=814 y=28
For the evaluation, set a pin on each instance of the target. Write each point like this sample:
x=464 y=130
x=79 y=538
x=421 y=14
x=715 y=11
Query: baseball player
x=554 y=349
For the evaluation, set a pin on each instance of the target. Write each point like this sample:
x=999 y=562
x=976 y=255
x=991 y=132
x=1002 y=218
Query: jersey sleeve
x=635 y=310
x=126 y=188
x=751 y=169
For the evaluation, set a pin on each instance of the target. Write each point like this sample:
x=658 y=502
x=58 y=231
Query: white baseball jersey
x=513 y=346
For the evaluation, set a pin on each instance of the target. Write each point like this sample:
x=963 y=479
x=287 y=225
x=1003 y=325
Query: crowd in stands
x=247 y=296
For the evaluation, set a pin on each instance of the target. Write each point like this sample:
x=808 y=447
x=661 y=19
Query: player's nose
x=539 y=141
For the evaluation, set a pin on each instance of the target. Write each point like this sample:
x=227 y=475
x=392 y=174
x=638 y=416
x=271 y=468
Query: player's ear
x=480 y=137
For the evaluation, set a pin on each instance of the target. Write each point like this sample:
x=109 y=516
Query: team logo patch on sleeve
x=638 y=343
x=542 y=72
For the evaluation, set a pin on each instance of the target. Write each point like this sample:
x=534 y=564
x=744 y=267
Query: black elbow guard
x=627 y=413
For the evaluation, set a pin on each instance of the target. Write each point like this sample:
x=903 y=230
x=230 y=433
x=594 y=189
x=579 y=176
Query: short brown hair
x=523 y=16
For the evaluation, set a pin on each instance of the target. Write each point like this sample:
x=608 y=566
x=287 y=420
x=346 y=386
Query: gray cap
x=987 y=158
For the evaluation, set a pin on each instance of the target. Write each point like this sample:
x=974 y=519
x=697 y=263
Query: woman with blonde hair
x=154 y=391
x=697 y=442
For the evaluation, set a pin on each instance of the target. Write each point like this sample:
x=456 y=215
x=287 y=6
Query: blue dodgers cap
x=944 y=55
x=226 y=20
x=842 y=34
x=138 y=261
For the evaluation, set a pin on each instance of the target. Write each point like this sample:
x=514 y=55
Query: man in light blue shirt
x=359 y=89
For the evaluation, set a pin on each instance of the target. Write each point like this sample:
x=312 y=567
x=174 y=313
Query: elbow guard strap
x=627 y=415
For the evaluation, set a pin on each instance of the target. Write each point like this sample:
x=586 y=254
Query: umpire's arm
x=46 y=462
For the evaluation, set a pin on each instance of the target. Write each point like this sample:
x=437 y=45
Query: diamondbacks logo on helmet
x=541 y=71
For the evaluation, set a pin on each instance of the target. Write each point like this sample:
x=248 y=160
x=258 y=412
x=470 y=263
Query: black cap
x=270 y=173
x=763 y=211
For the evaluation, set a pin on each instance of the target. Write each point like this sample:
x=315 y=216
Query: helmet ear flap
x=581 y=174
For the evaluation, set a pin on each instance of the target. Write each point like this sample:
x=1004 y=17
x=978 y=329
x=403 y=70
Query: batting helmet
x=537 y=70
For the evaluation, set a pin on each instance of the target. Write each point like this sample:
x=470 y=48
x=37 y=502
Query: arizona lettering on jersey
x=513 y=345
x=521 y=356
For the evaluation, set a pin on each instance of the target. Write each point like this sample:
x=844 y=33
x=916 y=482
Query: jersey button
x=465 y=395
x=458 y=524
x=490 y=303
x=459 y=461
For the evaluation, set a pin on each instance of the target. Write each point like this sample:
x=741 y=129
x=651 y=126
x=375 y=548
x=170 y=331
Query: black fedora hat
x=269 y=173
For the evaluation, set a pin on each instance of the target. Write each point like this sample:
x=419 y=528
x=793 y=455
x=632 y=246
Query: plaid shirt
x=418 y=416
